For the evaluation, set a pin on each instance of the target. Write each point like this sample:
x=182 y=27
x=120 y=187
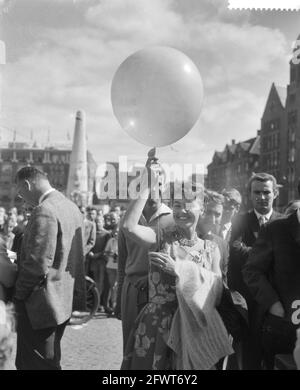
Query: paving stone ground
x=94 y=346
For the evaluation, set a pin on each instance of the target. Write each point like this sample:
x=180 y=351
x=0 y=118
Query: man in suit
x=272 y=274
x=98 y=262
x=263 y=191
x=50 y=272
x=89 y=238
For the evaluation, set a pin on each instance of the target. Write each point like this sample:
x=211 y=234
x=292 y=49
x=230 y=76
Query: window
x=38 y=157
x=22 y=156
x=275 y=161
x=54 y=158
x=293 y=74
x=6 y=155
x=292 y=98
x=292 y=155
x=292 y=117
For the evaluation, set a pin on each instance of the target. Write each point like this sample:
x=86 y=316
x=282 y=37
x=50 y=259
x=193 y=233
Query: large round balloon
x=157 y=95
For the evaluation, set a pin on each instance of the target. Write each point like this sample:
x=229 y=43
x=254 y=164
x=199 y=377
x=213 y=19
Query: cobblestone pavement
x=96 y=345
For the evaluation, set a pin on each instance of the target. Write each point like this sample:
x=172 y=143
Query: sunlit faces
x=92 y=214
x=186 y=212
x=230 y=209
x=262 y=195
x=114 y=219
x=212 y=216
x=99 y=222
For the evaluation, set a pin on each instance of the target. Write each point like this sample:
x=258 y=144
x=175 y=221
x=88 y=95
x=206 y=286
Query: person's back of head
x=31 y=184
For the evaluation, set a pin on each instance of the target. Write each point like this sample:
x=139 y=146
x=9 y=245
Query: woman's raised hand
x=163 y=261
x=154 y=170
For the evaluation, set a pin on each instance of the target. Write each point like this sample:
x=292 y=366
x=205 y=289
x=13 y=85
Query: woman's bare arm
x=143 y=235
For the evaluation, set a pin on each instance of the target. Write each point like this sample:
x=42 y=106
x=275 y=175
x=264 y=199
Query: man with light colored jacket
x=50 y=279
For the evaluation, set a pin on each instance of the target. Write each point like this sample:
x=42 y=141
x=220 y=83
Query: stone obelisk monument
x=77 y=187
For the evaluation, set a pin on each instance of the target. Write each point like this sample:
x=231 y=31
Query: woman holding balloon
x=180 y=327
x=157 y=95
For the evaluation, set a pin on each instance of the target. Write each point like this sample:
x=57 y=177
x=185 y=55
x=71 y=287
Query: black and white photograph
x=149 y=187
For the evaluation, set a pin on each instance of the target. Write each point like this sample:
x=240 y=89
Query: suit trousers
x=251 y=343
x=37 y=349
x=278 y=337
x=98 y=270
x=132 y=302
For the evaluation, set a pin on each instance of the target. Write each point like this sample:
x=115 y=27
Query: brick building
x=274 y=150
x=232 y=166
x=54 y=160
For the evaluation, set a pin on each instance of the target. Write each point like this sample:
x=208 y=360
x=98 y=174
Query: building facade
x=232 y=167
x=54 y=160
x=275 y=150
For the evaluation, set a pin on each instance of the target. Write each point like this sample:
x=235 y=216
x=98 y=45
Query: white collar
x=227 y=225
x=265 y=216
x=42 y=197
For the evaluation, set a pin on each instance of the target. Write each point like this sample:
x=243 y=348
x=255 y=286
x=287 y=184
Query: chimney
x=258 y=132
x=233 y=142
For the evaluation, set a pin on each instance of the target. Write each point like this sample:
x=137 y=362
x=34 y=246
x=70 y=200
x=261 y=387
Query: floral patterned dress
x=147 y=348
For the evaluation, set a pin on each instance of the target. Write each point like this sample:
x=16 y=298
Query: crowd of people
x=101 y=232
x=197 y=283
x=232 y=303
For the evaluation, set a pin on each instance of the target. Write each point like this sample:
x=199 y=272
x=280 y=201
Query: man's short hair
x=232 y=195
x=30 y=173
x=213 y=196
x=262 y=177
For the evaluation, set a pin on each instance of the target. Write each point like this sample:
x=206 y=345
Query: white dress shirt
x=263 y=218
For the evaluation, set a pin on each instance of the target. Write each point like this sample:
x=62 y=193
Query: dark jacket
x=89 y=237
x=272 y=272
x=245 y=229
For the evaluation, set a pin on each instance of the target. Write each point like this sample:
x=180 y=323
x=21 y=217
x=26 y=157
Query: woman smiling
x=180 y=327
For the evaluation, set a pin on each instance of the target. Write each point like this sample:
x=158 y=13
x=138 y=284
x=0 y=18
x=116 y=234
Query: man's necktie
x=262 y=220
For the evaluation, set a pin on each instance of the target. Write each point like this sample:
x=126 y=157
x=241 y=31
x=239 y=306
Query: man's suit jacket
x=89 y=236
x=245 y=229
x=51 y=269
x=272 y=272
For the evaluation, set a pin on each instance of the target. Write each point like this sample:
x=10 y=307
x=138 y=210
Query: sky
x=61 y=56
